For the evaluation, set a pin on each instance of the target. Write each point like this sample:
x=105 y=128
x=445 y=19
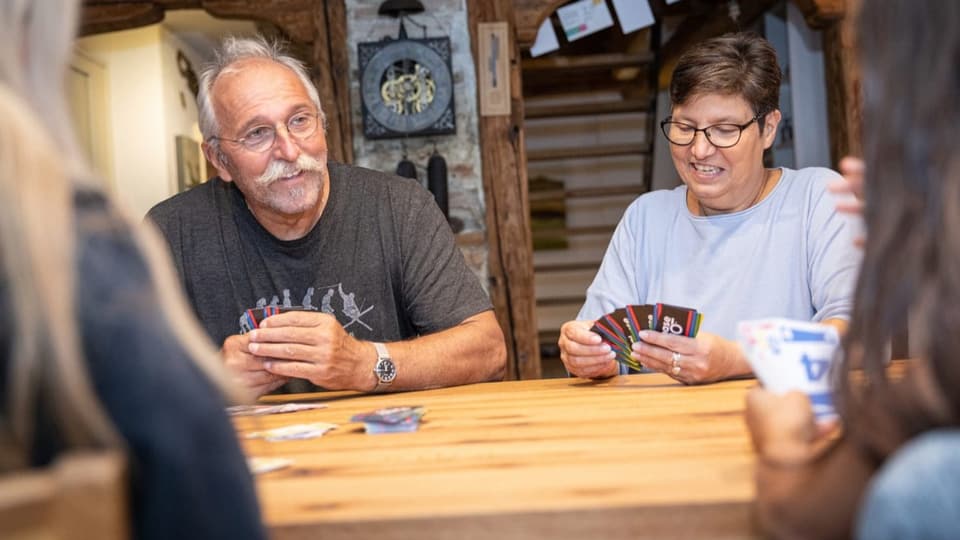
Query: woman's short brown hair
x=742 y=64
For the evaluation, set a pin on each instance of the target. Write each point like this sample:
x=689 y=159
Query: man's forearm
x=473 y=351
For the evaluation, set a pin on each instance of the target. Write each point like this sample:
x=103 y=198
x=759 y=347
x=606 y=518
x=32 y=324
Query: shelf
x=574 y=231
x=604 y=191
x=566 y=266
x=587 y=62
x=562 y=300
x=588 y=109
x=589 y=152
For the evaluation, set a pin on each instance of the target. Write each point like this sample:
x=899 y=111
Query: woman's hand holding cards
x=690 y=360
x=584 y=353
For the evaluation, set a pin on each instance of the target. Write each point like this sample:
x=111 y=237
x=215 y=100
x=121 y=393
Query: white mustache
x=278 y=168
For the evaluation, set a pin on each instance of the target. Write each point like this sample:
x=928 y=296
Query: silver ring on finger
x=675 y=367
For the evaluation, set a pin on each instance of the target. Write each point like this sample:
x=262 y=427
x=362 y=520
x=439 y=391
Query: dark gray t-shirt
x=382 y=258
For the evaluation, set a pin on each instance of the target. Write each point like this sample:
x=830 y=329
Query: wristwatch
x=385 y=370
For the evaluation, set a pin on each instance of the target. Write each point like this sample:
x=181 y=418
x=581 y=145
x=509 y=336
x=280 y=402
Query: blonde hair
x=37 y=43
x=40 y=163
x=36 y=244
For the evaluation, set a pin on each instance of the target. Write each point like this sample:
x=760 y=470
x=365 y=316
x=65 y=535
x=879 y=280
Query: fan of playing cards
x=621 y=328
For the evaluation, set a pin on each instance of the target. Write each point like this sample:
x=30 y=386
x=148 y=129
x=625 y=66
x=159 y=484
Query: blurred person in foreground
x=99 y=350
x=736 y=241
x=891 y=467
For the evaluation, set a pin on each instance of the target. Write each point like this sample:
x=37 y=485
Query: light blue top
x=791 y=255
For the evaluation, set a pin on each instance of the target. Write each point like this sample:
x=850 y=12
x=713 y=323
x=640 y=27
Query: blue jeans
x=916 y=494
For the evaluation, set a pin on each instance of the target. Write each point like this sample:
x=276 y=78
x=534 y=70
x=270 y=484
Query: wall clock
x=406 y=87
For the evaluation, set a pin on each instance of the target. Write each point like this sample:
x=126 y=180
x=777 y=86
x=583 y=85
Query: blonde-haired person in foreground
x=99 y=350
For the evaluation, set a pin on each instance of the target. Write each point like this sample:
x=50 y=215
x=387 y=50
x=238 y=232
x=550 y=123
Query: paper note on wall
x=493 y=44
x=583 y=18
x=546 y=39
x=633 y=14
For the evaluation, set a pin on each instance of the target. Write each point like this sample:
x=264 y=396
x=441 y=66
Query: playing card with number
x=621 y=328
x=680 y=321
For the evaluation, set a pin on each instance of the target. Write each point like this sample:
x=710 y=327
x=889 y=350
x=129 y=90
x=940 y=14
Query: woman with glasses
x=98 y=350
x=736 y=241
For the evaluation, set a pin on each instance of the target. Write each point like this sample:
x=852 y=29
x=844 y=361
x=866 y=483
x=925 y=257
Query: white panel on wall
x=87 y=88
x=808 y=92
x=179 y=103
x=137 y=119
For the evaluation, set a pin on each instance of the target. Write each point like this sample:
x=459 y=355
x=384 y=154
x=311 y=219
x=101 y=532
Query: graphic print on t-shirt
x=350 y=313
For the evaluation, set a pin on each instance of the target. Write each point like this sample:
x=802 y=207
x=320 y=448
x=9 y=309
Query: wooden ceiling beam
x=528 y=15
x=819 y=14
x=289 y=15
x=101 y=16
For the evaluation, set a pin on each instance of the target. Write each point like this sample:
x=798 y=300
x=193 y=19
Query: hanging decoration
x=406 y=168
x=406 y=85
x=437 y=181
x=406 y=90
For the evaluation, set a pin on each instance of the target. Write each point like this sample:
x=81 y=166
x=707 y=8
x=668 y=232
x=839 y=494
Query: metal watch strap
x=382 y=353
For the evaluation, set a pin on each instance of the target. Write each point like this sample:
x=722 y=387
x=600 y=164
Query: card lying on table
x=292 y=432
x=391 y=420
x=260 y=465
x=258 y=410
x=621 y=328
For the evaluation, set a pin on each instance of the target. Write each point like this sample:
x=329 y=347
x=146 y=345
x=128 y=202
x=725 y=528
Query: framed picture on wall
x=189 y=172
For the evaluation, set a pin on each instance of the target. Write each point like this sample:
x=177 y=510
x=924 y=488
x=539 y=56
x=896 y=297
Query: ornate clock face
x=406 y=87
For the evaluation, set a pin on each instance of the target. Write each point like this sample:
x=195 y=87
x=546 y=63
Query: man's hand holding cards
x=622 y=328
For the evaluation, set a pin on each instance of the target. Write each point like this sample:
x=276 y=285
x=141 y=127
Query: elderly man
x=380 y=296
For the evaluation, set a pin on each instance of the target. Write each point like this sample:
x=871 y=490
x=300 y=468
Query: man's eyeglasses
x=719 y=135
x=300 y=126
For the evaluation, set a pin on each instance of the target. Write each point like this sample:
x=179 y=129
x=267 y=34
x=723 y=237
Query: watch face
x=385 y=370
x=406 y=87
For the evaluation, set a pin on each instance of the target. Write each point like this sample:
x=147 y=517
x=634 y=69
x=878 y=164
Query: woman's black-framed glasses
x=719 y=135
x=300 y=126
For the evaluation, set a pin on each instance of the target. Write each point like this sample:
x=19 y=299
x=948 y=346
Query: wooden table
x=637 y=456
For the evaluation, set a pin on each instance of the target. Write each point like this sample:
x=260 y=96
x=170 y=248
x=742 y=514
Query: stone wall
x=461 y=151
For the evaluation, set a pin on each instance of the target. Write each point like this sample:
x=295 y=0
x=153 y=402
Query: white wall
x=145 y=111
x=664 y=173
x=808 y=92
x=179 y=102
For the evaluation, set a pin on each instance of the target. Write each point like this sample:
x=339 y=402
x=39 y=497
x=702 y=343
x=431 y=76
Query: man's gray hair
x=232 y=50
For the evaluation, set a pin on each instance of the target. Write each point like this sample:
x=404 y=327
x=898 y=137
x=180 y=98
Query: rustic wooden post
x=834 y=18
x=508 y=209
x=331 y=74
